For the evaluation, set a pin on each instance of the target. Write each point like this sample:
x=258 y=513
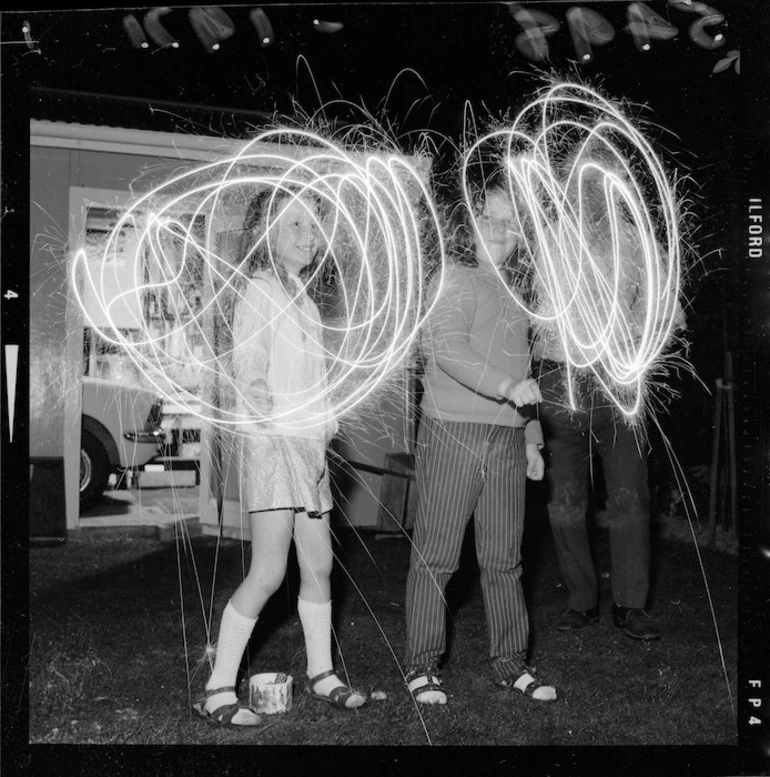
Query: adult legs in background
x=628 y=509
x=567 y=464
x=624 y=462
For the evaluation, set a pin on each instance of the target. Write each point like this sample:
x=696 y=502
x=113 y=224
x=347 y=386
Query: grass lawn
x=117 y=637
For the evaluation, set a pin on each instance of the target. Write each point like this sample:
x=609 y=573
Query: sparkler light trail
x=599 y=222
x=374 y=214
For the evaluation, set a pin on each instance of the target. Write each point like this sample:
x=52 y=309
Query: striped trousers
x=465 y=469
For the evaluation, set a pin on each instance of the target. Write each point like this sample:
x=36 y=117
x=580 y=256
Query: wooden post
x=714 y=485
x=724 y=478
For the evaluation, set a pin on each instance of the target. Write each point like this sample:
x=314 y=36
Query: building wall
x=56 y=327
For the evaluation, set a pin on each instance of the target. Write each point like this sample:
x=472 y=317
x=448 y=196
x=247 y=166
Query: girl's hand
x=526 y=392
x=535 y=462
x=332 y=427
x=259 y=397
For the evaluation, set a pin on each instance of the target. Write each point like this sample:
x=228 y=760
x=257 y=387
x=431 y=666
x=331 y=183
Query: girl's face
x=495 y=229
x=296 y=234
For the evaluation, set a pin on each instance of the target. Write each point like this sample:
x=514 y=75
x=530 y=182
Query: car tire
x=94 y=470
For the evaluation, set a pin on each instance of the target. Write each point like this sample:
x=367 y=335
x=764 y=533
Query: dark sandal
x=421 y=682
x=508 y=673
x=223 y=716
x=337 y=696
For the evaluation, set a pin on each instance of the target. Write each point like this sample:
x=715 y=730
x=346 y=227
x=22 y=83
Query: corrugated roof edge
x=91 y=137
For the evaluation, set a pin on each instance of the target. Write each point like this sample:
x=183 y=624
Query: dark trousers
x=465 y=469
x=572 y=438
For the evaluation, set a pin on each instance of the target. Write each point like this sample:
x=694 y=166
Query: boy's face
x=496 y=229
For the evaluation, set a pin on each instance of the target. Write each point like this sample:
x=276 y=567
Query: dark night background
x=713 y=124
x=87 y=71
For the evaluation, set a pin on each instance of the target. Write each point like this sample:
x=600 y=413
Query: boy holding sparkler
x=474 y=447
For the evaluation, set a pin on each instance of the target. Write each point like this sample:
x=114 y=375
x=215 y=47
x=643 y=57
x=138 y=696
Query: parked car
x=120 y=431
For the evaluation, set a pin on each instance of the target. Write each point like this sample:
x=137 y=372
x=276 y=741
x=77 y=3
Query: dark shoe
x=635 y=622
x=574 y=620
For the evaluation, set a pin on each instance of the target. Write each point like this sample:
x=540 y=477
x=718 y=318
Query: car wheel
x=94 y=470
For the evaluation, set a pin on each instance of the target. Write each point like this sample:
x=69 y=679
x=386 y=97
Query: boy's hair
x=592 y=186
x=462 y=248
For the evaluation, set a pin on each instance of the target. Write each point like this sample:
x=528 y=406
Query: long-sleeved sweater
x=475 y=342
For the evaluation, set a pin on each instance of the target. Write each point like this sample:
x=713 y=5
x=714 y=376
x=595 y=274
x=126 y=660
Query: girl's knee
x=267 y=581
x=319 y=569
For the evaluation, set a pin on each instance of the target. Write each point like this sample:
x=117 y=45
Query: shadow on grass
x=119 y=630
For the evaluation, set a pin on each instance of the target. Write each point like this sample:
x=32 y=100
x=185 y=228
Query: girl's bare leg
x=314 y=553
x=271 y=534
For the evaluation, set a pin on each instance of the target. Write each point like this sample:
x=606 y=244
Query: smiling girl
x=279 y=372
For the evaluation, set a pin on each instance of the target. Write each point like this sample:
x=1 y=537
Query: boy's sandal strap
x=423 y=684
x=532 y=685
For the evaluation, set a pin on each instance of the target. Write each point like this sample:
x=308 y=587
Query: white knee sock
x=316 y=622
x=234 y=632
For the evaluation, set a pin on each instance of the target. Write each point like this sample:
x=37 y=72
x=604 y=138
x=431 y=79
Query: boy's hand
x=535 y=462
x=526 y=392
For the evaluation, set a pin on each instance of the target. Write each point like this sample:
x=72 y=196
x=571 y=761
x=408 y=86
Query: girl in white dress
x=279 y=373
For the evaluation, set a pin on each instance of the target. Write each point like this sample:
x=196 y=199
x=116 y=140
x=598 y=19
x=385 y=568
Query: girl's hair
x=254 y=255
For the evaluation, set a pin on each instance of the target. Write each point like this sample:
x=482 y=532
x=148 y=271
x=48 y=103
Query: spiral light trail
x=599 y=223
x=375 y=213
